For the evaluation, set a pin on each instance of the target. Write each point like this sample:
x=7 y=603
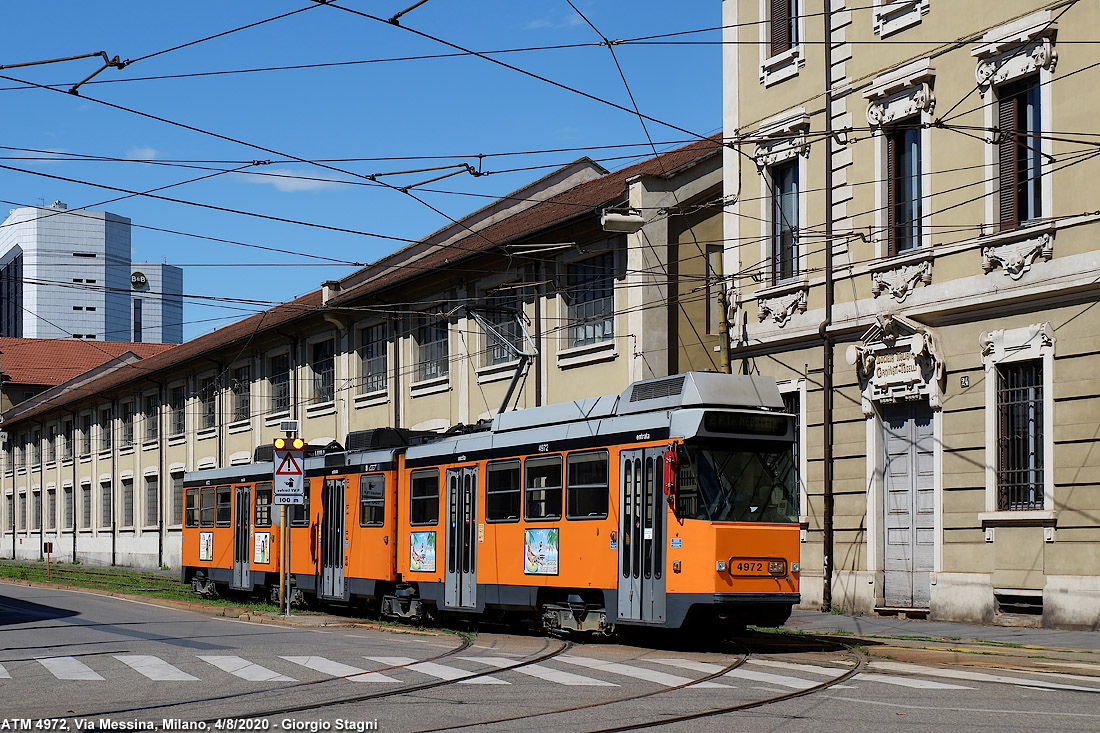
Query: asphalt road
x=86 y=660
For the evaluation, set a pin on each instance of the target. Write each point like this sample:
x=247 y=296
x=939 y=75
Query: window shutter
x=891 y=193
x=780 y=26
x=1008 y=155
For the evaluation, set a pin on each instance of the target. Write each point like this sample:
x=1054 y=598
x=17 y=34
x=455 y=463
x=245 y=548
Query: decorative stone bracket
x=782 y=138
x=997 y=69
x=781 y=307
x=907 y=103
x=900 y=281
x=1016 y=258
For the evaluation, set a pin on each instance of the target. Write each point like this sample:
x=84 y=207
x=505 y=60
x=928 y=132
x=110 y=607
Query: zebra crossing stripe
x=68 y=668
x=544 y=673
x=154 y=668
x=641 y=673
x=864 y=676
x=337 y=669
x=973 y=676
x=439 y=671
x=796 y=683
x=246 y=670
x=4 y=673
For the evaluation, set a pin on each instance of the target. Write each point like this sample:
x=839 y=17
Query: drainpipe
x=161 y=475
x=217 y=411
x=823 y=329
x=41 y=490
x=292 y=398
x=72 y=451
x=343 y=333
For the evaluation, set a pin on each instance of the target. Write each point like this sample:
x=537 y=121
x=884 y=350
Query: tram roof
x=644 y=405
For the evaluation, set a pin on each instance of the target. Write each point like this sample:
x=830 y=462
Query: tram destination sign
x=746 y=423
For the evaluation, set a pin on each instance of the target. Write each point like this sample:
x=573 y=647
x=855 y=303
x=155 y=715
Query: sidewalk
x=890 y=626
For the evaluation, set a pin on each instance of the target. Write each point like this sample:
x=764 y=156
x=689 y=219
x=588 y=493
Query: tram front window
x=720 y=484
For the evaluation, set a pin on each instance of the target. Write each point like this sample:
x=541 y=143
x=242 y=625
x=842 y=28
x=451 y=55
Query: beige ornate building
x=95 y=465
x=914 y=244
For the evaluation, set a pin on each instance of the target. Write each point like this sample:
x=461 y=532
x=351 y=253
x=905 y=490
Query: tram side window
x=225 y=506
x=424 y=497
x=263 y=505
x=191 y=511
x=299 y=513
x=543 y=494
x=372 y=500
x=586 y=487
x=206 y=507
x=502 y=490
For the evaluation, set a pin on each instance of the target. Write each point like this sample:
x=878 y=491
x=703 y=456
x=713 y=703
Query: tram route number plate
x=288 y=499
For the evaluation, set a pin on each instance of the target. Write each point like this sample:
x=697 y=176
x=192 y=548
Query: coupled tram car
x=673 y=503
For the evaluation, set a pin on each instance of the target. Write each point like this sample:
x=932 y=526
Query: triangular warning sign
x=289 y=467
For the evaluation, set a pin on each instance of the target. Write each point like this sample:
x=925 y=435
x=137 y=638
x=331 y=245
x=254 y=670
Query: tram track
x=743 y=656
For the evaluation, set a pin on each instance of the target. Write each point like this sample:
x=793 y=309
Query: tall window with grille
x=502 y=311
x=177 y=498
x=69 y=509
x=152 y=501
x=372 y=355
x=432 y=352
x=1019 y=156
x=37 y=498
x=715 y=286
x=105 y=497
x=590 y=300
x=85 y=434
x=51 y=508
x=126 y=424
x=784 y=221
x=177 y=410
x=51 y=444
x=85 y=506
x=1020 y=484
x=151 y=417
x=208 y=395
x=323 y=365
x=127 y=502
x=903 y=187
x=106 y=429
x=36 y=447
x=67 y=440
x=242 y=393
x=782 y=26
x=792 y=404
x=278 y=378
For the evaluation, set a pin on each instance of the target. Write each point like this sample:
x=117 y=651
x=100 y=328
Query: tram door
x=460 y=581
x=333 y=539
x=641 y=535
x=242 y=537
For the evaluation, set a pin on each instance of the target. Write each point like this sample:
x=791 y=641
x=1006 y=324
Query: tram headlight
x=777 y=567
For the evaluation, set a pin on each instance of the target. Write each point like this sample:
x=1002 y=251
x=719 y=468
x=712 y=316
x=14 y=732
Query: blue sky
x=440 y=110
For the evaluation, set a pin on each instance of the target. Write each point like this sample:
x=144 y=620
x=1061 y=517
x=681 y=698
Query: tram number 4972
x=749 y=567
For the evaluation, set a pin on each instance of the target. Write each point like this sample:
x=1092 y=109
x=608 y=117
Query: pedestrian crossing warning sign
x=289 y=466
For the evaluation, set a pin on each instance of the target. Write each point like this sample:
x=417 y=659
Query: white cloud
x=141 y=153
x=290 y=181
x=554 y=21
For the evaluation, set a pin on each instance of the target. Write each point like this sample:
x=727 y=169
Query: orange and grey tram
x=673 y=502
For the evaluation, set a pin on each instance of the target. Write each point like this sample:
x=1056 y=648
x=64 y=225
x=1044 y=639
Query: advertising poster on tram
x=422 y=557
x=540 y=552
